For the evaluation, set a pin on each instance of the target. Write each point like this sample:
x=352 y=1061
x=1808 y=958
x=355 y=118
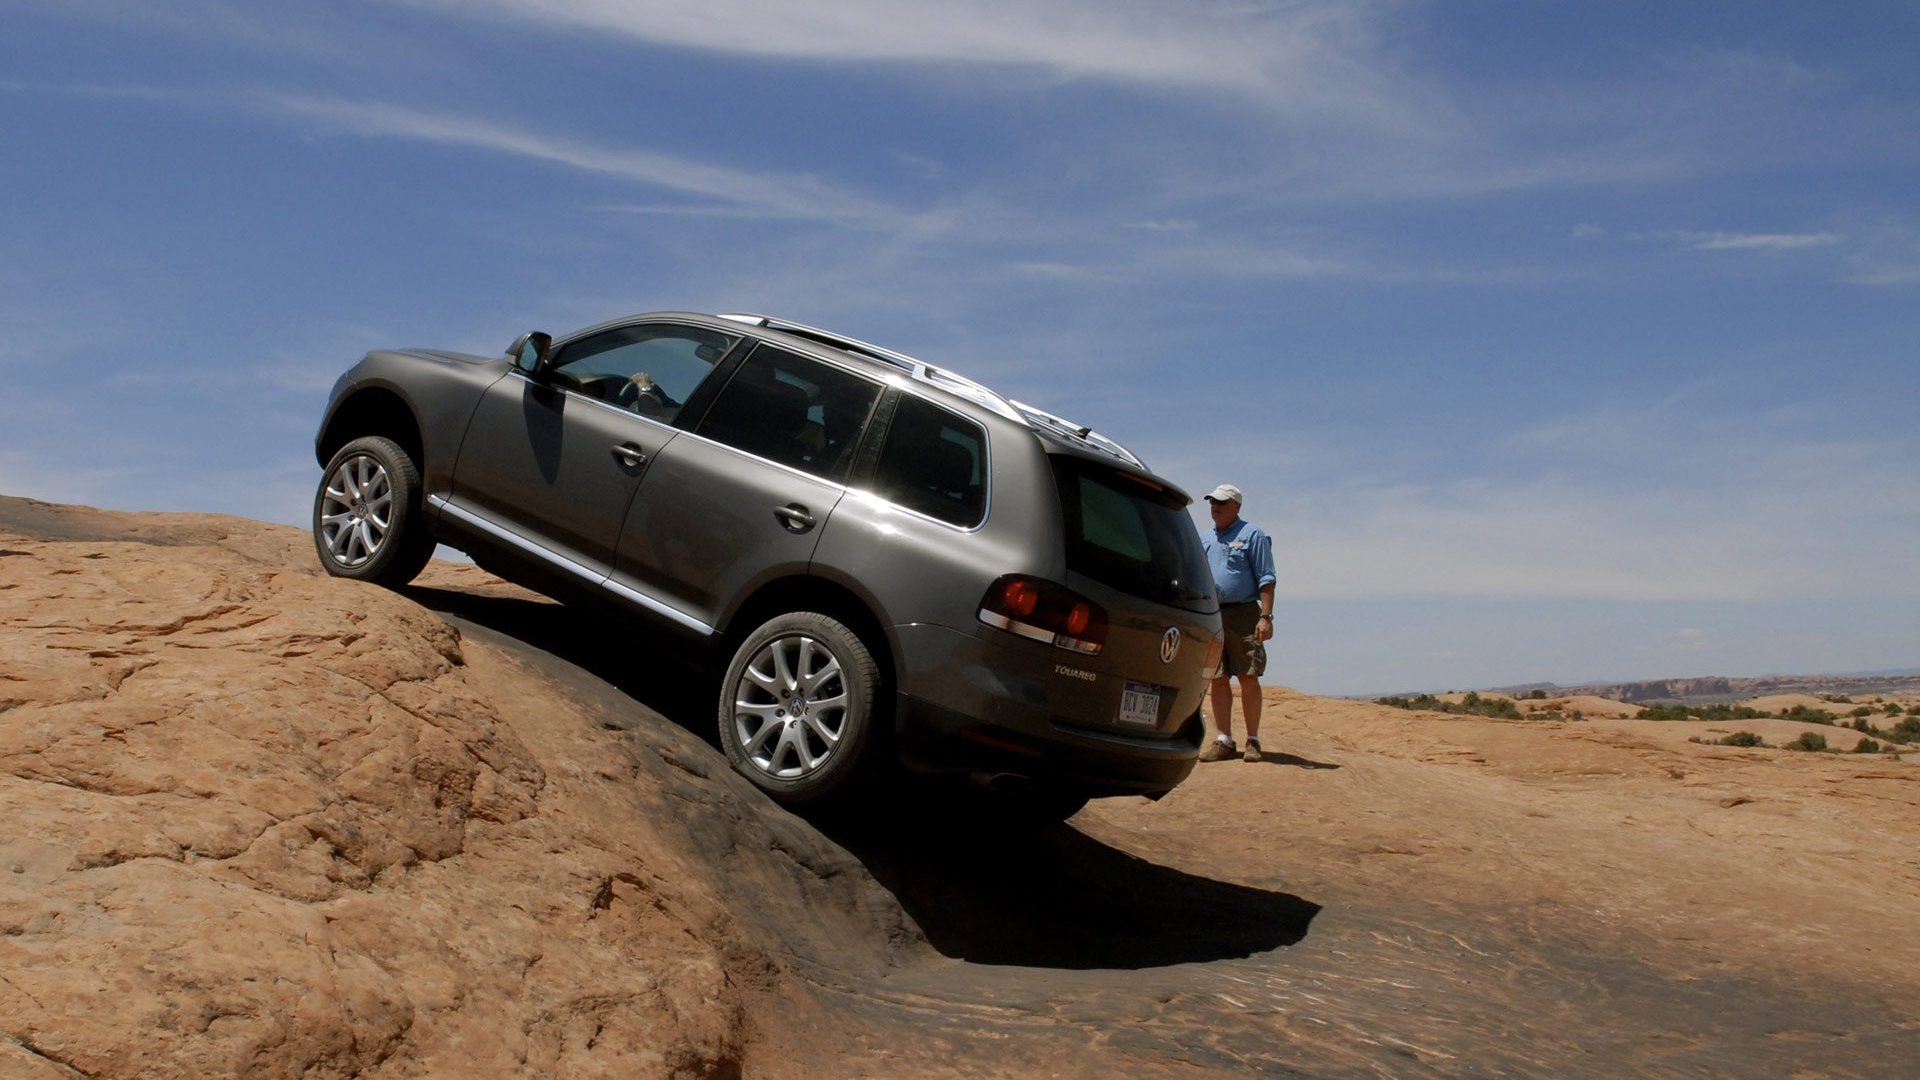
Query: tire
x=367 y=521
x=799 y=710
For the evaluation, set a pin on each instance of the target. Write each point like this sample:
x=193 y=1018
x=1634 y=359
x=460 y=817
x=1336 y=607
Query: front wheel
x=367 y=516
x=798 y=709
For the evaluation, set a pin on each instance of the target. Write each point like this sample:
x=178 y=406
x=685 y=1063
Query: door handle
x=794 y=516
x=630 y=454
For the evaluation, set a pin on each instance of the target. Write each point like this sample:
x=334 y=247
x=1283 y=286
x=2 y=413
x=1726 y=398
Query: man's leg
x=1221 y=694
x=1249 y=703
x=1221 y=747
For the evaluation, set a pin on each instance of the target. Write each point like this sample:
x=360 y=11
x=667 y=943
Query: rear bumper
x=970 y=705
x=933 y=738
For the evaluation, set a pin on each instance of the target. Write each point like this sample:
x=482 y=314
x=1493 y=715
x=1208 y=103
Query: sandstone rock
x=258 y=822
x=265 y=822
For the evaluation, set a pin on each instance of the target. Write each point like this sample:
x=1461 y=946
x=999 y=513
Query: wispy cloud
x=769 y=194
x=1309 y=58
x=1722 y=241
x=1764 y=243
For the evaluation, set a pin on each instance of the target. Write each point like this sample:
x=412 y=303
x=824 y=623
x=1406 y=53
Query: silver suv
x=898 y=565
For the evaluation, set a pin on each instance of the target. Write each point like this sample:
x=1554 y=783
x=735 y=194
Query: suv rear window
x=1132 y=535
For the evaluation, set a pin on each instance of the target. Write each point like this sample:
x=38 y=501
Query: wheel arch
x=809 y=592
x=372 y=410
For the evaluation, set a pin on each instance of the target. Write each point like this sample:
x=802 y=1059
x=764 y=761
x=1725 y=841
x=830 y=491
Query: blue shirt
x=1241 y=558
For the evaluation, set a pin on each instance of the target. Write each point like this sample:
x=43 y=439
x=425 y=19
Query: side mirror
x=529 y=351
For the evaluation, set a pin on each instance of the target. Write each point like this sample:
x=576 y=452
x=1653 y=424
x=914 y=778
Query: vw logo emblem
x=1169 y=644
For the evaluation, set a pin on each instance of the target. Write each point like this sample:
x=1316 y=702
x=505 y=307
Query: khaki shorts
x=1246 y=654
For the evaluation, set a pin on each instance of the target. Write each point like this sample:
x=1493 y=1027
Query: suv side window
x=650 y=369
x=935 y=462
x=787 y=408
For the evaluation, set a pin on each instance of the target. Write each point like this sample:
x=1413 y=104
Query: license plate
x=1140 y=704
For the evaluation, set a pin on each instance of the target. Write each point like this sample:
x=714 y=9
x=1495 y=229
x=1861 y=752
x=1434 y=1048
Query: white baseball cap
x=1224 y=493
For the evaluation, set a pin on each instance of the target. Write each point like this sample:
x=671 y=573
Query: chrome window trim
x=554 y=558
x=912 y=513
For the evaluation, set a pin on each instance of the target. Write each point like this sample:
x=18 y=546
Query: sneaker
x=1219 y=751
x=1253 y=751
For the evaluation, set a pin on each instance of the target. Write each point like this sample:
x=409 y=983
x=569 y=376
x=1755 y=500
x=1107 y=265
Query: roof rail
x=919 y=369
x=949 y=380
x=1042 y=418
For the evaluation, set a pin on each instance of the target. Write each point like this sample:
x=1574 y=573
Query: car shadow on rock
x=991 y=892
x=984 y=889
x=668 y=675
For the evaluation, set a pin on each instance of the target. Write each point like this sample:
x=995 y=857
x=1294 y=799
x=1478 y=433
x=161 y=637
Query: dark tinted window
x=1132 y=535
x=649 y=370
x=935 y=462
x=796 y=411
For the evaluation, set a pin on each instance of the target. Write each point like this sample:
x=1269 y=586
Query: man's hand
x=1263 y=630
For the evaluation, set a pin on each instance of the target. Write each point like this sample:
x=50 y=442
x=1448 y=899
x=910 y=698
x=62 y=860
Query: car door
x=740 y=498
x=554 y=458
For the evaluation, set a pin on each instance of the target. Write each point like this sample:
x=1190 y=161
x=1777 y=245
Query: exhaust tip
x=1003 y=782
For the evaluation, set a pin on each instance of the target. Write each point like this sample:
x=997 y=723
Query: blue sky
x=1552 y=341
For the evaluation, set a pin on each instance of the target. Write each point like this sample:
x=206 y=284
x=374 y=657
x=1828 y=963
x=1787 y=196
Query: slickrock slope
x=261 y=821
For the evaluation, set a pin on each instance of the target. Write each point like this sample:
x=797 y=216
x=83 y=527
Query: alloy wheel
x=790 y=707
x=356 y=510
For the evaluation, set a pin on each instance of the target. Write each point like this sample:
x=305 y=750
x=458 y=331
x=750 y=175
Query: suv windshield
x=1132 y=535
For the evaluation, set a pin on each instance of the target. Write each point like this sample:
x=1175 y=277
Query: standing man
x=1241 y=558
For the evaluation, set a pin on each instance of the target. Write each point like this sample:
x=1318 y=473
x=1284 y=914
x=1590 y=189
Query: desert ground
x=263 y=822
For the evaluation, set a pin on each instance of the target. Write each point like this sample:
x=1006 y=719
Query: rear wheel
x=367 y=517
x=798 y=709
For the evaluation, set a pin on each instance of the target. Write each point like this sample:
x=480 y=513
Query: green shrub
x=1906 y=731
x=1809 y=740
x=1743 y=738
x=1866 y=746
x=1893 y=708
x=1837 y=699
x=1535 y=695
x=1864 y=710
x=1808 y=715
x=1721 y=713
x=1472 y=705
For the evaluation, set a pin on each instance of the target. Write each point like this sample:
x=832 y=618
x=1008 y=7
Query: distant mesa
x=1719 y=689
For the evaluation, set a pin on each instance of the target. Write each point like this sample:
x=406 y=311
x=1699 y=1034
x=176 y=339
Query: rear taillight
x=1038 y=609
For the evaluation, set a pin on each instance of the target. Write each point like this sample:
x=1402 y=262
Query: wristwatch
x=1267 y=615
